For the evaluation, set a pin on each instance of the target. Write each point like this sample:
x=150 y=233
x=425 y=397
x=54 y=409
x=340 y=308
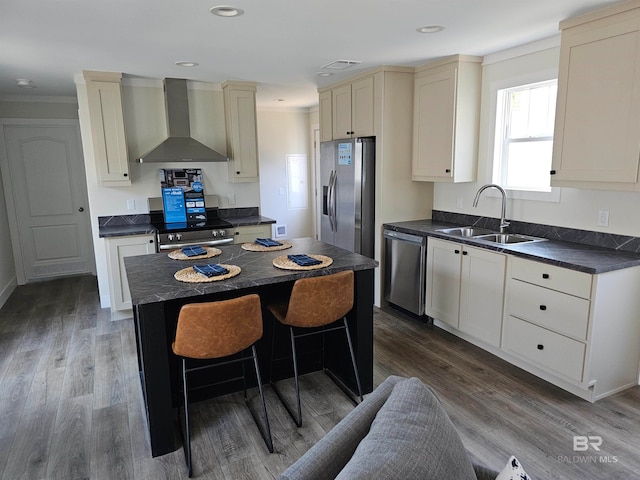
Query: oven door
x=193 y=243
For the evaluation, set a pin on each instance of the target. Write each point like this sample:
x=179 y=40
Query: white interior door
x=45 y=189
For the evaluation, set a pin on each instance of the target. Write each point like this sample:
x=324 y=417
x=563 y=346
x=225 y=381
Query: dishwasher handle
x=406 y=237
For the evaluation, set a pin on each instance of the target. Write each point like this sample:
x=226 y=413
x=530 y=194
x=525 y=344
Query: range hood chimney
x=180 y=146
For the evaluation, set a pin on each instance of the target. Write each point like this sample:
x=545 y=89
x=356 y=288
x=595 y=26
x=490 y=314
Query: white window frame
x=554 y=194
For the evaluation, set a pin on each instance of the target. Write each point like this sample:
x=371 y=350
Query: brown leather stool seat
x=214 y=330
x=316 y=303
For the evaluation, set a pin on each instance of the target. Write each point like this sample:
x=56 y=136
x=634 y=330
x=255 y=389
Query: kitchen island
x=157 y=298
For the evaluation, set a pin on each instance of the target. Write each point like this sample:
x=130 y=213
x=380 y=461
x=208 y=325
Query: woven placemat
x=286 y=264
x=178 y=255
x=256 y=247
x=189 y=275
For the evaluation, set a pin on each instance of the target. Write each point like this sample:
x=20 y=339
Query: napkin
x=210 y=270
x=193 y=251
x=303 y=260
x=267 y=242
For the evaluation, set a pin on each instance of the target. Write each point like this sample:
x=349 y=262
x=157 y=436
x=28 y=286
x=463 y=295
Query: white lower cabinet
x=251 y=232
x=117 y=249
x=465 y=288
x=577 y=330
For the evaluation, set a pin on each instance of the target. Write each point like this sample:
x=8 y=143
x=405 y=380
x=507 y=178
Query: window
x=524 y=136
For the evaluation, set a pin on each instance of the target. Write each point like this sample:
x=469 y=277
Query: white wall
x=282 y=133
x=8 y=280
x=577 y=208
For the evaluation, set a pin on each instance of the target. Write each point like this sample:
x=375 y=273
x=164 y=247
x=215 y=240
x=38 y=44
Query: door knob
x=81 y=209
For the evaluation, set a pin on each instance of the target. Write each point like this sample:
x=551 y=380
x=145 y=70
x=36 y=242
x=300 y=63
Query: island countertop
x=158 y=297
x=151 y=277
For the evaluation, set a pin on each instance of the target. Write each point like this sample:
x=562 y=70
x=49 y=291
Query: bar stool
x=316 y=303
x=214 y=330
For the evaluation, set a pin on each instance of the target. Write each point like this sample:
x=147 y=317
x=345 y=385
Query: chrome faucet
x=503 y=222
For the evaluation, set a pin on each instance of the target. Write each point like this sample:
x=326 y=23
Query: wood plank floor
x=71 y=404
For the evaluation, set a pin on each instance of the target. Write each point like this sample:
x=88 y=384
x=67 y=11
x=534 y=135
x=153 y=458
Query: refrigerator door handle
x=330 y=201
x=332 y=196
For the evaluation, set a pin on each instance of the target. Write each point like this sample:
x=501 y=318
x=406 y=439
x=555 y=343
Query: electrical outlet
x=459 y=202
x=231 y=198
x=603 y=218
x=131 y=204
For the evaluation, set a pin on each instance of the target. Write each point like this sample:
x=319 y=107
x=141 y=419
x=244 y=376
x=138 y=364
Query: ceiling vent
x=341 y=64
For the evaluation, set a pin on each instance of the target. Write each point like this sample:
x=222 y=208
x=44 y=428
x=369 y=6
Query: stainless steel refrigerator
x=347 y=173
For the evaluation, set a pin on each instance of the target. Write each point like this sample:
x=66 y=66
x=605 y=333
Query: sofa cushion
x=326 y=458
x=411 y=437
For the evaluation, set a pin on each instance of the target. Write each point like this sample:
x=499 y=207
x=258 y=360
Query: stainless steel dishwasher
x=404 y=267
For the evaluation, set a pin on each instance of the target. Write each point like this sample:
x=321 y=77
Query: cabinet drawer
x=557 y=278
x=555 y=310
x=251 y=232
x=550 y=350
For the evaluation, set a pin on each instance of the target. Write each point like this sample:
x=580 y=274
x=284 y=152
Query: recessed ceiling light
x=25 y=83
x=183 y=63
x=226 y=11
x=324 y=74
x=430 y=29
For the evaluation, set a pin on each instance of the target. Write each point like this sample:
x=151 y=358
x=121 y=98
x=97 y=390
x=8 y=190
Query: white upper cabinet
x=242 y=130
x=347 y=111
x=446 y=120
x=597 y=129
x=325 y=111
x=106 y=118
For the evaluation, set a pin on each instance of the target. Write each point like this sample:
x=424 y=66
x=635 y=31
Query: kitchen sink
x=466 y=231
x=508 y=238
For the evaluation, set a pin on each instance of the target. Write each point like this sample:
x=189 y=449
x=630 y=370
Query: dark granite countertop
x=125 y=225
x=126 y=230
x=249 y=220
x=151 y=276
x=575 y=256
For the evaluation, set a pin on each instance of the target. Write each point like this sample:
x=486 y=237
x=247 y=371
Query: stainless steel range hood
x=180 y=146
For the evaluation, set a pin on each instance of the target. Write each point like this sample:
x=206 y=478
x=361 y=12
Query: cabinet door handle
x=552 y=172
x=545 y=275
x=448 y=170
x=540 y=346
x=456 y=251
x=465 y=252
x=543 y=307
x=126 y=174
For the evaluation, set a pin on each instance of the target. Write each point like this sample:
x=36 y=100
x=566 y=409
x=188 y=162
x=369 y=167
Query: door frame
x=9 y=196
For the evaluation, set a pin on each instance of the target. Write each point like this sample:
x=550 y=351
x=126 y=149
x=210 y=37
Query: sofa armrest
x=329 y=456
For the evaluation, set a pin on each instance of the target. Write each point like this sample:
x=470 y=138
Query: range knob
x=214 y=233
x=222 y=233
x=178 y=236
x=170 y=237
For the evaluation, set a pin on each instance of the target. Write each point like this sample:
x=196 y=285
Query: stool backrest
x=218 y=329
x=318 y=301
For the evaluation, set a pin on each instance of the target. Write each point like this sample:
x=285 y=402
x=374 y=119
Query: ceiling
x=280 y=44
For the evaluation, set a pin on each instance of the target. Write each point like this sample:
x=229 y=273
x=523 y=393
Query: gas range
x=212 y=232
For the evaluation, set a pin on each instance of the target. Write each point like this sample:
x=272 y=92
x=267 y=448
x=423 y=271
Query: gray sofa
x=399 y=431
